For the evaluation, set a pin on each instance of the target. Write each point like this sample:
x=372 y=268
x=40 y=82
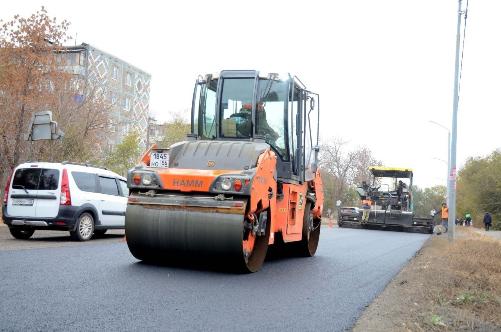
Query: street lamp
x=451 y=223
x=448 y=149
x=441 y=160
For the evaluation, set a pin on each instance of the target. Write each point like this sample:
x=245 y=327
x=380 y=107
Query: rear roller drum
x=307 y=247
x=255 y=242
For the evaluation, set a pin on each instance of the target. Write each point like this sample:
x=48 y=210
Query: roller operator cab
x=245 y=178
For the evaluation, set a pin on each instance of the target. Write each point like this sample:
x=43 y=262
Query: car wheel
x=21 y=233
x=84 y=227
x=99 y=232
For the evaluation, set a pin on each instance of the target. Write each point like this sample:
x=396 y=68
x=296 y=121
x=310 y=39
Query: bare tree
x=29 y=69
x=343 y=170
x=339 y=164
x=34 y=77
x=85 y=122
x=175 y=130
x=363 y=160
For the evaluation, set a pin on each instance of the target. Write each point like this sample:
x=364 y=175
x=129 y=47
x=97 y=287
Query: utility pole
x=455 y=102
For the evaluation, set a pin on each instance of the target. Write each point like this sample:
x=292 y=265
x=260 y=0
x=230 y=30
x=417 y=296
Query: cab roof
x=391 y=172
x=254 y=73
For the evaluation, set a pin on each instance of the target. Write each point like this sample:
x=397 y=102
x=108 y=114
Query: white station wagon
x=81 y=199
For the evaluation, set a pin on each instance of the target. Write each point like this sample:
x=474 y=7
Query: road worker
x=366 y=209
x=444 y=216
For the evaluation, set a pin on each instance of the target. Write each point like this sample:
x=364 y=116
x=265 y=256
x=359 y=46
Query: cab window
x=204 y=109
x=236 y=107
x=270 y=114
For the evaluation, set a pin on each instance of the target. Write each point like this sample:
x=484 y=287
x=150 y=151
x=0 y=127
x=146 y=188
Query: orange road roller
x=245 y=178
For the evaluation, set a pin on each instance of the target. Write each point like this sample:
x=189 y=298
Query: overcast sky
x=383 y=69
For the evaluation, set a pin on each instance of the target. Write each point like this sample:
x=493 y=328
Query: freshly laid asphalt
x=101 y=286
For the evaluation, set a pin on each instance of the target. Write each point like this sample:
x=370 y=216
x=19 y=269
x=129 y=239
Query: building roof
x=85 y=46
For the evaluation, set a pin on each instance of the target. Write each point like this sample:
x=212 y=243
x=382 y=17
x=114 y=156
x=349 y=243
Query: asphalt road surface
x=100 y=286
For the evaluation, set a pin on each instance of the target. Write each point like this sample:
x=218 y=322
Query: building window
x=81 y=59
x=125 y=129
x=115 y=72
x=127 y=104
x=113 y=98
x=71 y=59
x=129 y=79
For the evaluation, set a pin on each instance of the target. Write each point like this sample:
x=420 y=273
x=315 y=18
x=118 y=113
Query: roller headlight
x=147 y=179
x=226 y=184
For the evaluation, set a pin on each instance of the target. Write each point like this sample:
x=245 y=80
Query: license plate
x=22 y=201
x=159 y=159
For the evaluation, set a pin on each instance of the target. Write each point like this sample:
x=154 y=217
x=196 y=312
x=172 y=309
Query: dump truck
x=389 y=196
x=245 y=178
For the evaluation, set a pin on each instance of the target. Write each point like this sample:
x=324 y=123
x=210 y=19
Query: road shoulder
x=444 y=287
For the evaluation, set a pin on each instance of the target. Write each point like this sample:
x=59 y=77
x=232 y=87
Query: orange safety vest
x=445 y=212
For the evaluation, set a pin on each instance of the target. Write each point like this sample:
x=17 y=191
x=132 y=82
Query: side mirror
x=55 y=132
x=312 y=103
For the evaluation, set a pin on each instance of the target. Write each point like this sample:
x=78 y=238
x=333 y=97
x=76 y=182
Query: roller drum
x=191 y=234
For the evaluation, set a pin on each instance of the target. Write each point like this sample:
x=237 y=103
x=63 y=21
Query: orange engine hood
x=188 y=180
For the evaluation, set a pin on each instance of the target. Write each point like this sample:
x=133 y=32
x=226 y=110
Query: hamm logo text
x=187 y=183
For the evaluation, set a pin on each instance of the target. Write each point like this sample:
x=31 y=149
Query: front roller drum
x=189 y=235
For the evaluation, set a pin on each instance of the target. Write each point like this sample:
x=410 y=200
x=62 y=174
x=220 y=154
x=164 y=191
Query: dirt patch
x=444 y=288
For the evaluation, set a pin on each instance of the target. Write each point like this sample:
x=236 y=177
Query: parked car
x=347 y=214
x=83 y=200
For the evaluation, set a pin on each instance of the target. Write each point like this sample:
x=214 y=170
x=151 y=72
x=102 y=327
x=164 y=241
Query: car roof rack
x=83 y=164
